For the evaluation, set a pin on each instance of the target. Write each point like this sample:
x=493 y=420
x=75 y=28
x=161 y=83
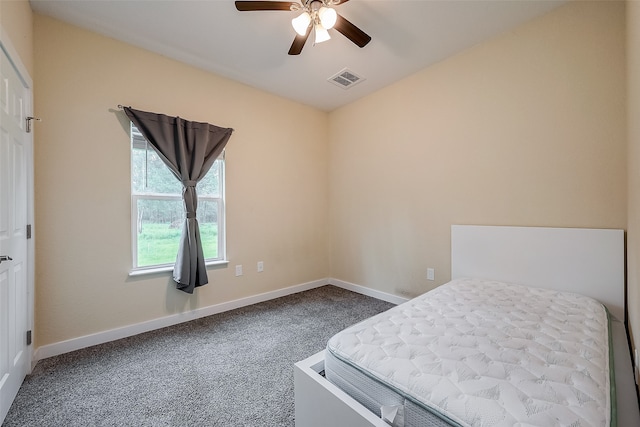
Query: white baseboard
x=73 y=344
x=394 y=299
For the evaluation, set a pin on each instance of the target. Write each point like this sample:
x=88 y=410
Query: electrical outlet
x=431 y=274
x=238 y=270
x=260 y=266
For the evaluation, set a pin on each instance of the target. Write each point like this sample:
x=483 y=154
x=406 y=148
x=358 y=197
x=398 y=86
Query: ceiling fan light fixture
x=322 y=35
x=316 y=15
x=301 y=23
x=328 y=17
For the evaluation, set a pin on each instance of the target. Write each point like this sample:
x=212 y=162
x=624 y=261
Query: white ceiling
x=251 y=47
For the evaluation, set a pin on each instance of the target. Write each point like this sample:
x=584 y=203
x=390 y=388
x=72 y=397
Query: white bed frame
x=586 y=261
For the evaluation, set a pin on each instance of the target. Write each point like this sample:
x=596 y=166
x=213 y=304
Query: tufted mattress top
x=486 y=353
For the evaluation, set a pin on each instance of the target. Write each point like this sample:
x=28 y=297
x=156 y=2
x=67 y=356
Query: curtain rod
x=121 y=107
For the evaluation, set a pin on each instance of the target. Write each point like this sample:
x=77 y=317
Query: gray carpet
x=229 y=369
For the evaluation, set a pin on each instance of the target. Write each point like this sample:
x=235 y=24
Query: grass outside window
x=158 y=243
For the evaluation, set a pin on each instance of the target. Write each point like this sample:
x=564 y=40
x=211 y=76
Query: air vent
x=346 y=79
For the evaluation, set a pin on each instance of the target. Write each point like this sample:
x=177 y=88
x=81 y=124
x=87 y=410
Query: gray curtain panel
x=189 y=149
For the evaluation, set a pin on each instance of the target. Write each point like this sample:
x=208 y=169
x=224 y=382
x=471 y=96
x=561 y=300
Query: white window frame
x=222 y=243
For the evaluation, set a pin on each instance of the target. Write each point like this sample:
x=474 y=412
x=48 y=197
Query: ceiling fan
x=318 y=15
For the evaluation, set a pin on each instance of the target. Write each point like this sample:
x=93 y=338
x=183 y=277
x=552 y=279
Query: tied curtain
x=189 y=149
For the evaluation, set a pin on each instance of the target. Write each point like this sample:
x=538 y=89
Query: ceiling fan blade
x=247 y=6
x=298 y=43
x=352 y=32
x=341 y=2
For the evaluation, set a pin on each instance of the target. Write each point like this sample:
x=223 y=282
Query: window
x=157 y=210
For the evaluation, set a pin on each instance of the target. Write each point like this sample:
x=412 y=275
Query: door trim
x=23 y=74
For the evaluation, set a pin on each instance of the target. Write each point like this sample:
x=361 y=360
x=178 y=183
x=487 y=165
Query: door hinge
x=28 y=231
x=28 y=337
x=28 y=129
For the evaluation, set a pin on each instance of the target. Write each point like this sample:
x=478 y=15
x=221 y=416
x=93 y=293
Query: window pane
x=208 y=222
x=210 y=185
x=159 y=225
x=149 y=174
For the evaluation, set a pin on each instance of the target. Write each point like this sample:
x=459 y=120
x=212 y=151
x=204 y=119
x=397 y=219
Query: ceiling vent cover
x=346 y=79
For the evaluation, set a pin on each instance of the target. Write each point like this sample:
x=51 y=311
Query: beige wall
x=528 y=129
x=633 y=114
x=16 y=20
x=276 y=183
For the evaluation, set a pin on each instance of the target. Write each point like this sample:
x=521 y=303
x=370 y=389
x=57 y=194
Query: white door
x=14 y=309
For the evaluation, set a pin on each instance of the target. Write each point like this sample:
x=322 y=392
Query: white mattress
x=481 y=353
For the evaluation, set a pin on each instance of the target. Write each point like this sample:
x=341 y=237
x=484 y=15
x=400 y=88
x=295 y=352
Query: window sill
x=169 y=268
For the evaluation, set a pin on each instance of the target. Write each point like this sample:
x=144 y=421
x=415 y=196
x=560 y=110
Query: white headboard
x=585 y=261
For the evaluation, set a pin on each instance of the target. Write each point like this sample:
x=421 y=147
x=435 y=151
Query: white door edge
x=7 y=46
